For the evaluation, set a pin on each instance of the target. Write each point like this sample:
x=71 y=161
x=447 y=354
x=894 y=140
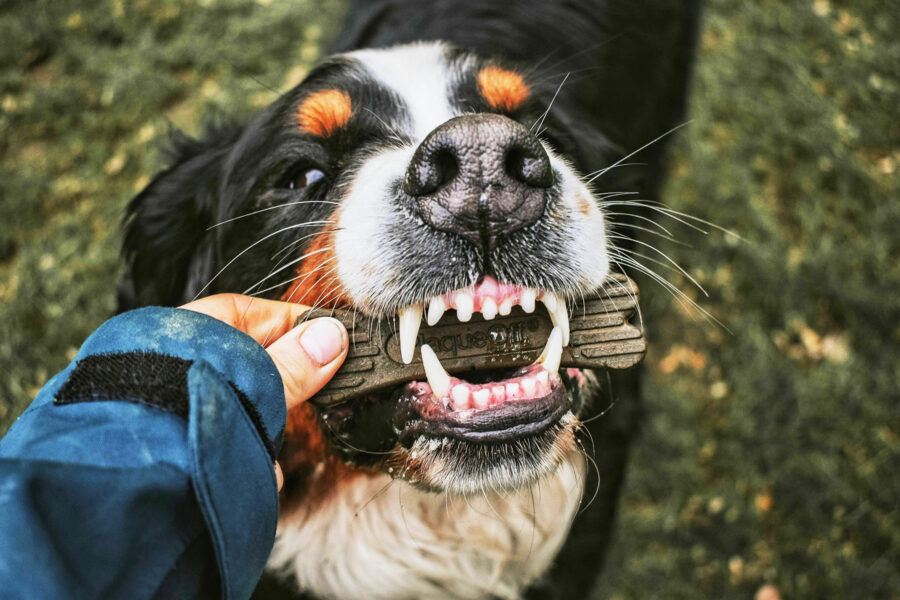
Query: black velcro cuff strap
x=149 y=378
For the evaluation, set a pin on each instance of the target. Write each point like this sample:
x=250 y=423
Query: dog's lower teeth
x=559 y=313
x=552 y=353
x=481 y=398
x=438 y=378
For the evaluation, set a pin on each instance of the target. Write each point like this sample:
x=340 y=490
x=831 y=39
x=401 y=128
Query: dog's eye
x=297 y=179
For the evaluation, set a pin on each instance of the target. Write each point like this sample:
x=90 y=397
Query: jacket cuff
x=194 y=336
x=236 y=417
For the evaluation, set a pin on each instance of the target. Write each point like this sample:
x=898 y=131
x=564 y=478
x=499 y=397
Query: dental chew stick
x=601 y=338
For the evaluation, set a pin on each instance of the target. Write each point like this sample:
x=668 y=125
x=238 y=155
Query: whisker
x=540 y=122
x=256 y=243
x=666 y=256
x=286 y=281
x=395 y=134
x=634 y=216
x=261 y=210
x=383 y=489
x=647 y=145
x=616 y=166
x=282 y=268
x=660 y=210
x=680 y=296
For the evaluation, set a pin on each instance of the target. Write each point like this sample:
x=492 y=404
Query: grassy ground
x=771 y=449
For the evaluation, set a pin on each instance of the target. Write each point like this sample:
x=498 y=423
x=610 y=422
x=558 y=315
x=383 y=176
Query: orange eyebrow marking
x=503 y=90
x=324 y=112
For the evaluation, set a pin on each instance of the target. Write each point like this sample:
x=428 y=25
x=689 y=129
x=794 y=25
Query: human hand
x=306 y=356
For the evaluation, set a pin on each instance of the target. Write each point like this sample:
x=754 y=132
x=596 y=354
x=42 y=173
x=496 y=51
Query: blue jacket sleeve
x=145 y=468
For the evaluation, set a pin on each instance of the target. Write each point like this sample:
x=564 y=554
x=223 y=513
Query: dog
x=448 y=156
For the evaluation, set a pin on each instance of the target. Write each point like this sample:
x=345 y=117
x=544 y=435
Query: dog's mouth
x=482 y=405
x=485 y=407
x=502 y=408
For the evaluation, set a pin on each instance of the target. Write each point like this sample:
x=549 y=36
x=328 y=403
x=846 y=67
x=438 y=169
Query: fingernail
x=323 y=340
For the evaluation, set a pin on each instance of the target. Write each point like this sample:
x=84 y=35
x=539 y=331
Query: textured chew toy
x=601 y=337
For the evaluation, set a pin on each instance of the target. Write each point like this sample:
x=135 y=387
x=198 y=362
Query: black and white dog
x=450 y=156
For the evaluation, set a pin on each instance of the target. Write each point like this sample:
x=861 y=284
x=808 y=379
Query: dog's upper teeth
x=552 y=354
x=436 y=309
x=559 y=313
x=488 y=309
x=410 y=320
x=465 y=306
x=438 y=378
x=526 y=301
x=505 y=307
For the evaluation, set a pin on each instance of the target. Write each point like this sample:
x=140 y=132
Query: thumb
x=308 y=356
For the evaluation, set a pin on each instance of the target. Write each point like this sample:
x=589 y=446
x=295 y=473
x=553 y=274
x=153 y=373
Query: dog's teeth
x=436 y=309
x=465 y=306
x=505 y=307
x=461 y=395
x=488 y=309
x=481 y=398
x=526 y=301
x=552 y=353
x=438 y=378
x=559 y=313
x=529 y=386
x=410 y=320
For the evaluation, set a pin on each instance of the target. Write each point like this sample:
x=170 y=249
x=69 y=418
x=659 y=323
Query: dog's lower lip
x=496 y=424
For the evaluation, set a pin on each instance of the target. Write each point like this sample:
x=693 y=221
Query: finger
x=263 y=320
x=279 y=476
x=308 y=356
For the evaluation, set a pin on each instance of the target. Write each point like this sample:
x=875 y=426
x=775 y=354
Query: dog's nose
x=479 y=176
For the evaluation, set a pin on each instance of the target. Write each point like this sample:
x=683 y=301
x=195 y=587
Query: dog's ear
x=168 y=252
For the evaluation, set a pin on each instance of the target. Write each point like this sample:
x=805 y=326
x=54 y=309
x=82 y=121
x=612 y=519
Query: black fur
x=628 y=64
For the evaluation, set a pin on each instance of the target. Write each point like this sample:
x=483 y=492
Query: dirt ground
x=771 y=451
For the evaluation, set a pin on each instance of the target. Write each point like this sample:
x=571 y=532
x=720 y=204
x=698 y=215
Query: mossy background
x=771 y=449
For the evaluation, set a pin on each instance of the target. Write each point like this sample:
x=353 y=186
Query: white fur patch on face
x=365 y=218
x=418 y=74
x=588 y=242
x=379 y=538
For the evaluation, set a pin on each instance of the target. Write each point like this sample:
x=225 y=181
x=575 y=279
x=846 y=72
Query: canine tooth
x=436 y=309
x=529 y=386
x=488 y=309
x=543 y=377
x=559 y=313
x=550 y=300
x=552 y=353
x=438 y=378
x=505 y=307
x=460 y=395
x=481 y=398
x=410 y=320
x=464 y=306
x=526 y=301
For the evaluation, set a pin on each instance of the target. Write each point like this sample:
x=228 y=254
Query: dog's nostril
x=429 y=172
x=528 y=165
x=447 y=167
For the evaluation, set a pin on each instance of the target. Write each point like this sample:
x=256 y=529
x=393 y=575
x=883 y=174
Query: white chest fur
x=383 y=539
